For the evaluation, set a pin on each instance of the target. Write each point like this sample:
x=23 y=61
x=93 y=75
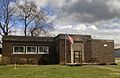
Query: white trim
x=83 y=54
x=43 y=48
x=72 y=54
x=18 y=52
x=31 y=52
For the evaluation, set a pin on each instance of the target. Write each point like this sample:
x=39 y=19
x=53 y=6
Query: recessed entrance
x=77 y=56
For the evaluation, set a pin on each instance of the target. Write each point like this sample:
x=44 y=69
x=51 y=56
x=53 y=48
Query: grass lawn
x=59 y=71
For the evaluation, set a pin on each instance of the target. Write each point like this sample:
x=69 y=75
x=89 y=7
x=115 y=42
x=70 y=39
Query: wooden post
x=15 y=62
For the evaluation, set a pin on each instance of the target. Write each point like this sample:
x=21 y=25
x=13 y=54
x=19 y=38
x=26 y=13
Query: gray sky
x=99 y=18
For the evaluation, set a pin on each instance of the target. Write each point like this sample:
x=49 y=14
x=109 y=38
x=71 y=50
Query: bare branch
x=6 y=14
x=31 y=16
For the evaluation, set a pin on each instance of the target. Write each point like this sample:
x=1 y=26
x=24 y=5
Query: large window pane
x=43 y=49
x=18 y=49
x=31 y=49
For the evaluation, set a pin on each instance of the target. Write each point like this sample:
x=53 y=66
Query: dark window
x=31 y=49
x=43 y=49
x=18 y=49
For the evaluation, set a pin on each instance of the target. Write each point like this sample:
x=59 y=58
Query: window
x=18 y=49
x=43 y=49
x=31 y=49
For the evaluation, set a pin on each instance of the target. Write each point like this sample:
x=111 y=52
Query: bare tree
x=31 y=16
x=37 y=25
x=41 y=30
x=7 y=11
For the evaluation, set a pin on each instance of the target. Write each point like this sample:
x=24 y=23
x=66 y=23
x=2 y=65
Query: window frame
x=43 y=49
x=18 y=52
x=31 y=52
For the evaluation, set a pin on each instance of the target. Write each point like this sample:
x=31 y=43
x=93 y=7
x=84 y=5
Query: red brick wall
x=87 y=51
x=103 y=54
x=50 y=58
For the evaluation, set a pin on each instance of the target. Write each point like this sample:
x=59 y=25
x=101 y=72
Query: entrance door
x=77 y=56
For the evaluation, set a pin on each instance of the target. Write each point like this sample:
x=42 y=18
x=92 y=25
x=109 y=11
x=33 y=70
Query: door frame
x=79 y=57
x=81 y=50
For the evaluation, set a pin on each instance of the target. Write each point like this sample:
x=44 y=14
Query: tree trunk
x=25 y=30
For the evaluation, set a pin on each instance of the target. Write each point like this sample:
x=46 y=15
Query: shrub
x=46 y=61
x=113 y=63
x=102 y=64
x=33 y=61
x=5 y=60
x=43 y=61
x=22 y=61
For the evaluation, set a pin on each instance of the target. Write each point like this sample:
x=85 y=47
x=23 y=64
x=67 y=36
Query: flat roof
x=26 y=38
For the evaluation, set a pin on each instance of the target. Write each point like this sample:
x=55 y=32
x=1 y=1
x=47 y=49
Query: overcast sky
x=99 y=18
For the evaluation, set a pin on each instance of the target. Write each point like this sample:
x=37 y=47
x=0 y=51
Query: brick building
x=57 y=50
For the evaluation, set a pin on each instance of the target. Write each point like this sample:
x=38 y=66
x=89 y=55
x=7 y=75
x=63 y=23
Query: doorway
x=77 y=56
